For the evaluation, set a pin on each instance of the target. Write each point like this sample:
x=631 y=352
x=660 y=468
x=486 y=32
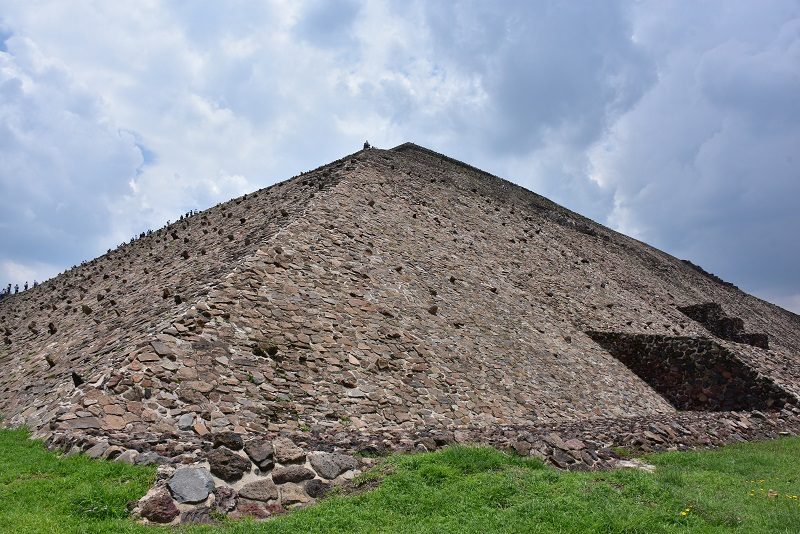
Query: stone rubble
x=189 y=493
x=573 y=446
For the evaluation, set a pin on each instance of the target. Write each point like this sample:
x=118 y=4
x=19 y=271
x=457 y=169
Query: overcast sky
x=675 y=122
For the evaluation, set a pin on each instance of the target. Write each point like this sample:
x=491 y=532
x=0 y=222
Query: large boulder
x=228 y=465
x=191 y=485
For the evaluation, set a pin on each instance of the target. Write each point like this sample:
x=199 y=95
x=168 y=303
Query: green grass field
x=743 y=488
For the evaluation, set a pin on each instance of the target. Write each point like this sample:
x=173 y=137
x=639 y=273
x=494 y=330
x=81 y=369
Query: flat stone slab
x=191 y=484
x=84 y=423
x=291 y=473
x=261 y=490
x=331 y=465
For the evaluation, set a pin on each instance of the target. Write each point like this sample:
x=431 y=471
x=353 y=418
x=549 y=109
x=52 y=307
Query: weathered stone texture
x=291 y=473
x=331 y=465
x=228 y=465
x=394 y=299
x=159 y=508
x=260 y=452
x=260 y=490
x=191 y=484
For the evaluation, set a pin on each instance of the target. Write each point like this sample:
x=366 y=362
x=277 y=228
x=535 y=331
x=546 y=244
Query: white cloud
x=674 y=122
x=31 y=272
x=63 y=160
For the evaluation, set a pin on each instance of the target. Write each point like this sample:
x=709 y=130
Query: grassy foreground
x=43 y=492
x=742 y=488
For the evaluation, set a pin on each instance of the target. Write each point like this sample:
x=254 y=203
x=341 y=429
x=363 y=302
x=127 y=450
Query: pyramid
x=393 y=299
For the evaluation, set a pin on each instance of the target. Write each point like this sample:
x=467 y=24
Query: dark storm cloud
x=705 y=166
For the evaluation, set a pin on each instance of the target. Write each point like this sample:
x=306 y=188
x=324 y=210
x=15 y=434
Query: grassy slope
x=42 y=492
x=454 y=490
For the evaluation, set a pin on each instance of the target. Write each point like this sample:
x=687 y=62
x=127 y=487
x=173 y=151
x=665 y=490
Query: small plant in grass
x=98 y=504
x=368 y=477
x=623 y=452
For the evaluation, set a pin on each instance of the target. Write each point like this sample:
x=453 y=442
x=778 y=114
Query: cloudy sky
x=675 y=122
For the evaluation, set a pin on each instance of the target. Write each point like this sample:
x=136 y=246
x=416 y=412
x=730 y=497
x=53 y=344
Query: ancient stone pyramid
x=380 y=299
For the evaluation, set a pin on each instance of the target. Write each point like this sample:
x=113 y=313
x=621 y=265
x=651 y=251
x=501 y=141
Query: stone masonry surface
x=391 y=300
x=693 y=373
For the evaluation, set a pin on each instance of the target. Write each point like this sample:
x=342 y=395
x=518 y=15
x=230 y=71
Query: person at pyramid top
x=366 y=145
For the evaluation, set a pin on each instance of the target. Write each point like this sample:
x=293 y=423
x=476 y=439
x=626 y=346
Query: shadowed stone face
x=693 y=373
x=718 y=323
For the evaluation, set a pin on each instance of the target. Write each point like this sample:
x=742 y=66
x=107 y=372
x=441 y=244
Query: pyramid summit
x=394 y=299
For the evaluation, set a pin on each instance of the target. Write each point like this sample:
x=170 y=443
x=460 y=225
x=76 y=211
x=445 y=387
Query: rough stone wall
x=407 y=318
x=94 y=317
x=693 y=373
x=408 y=292
x=255 y=478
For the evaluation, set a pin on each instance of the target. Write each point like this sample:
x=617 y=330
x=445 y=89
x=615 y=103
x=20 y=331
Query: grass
x=743 y=488
x=44 y=492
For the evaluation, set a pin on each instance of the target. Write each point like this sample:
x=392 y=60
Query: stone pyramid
x=394 y=298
